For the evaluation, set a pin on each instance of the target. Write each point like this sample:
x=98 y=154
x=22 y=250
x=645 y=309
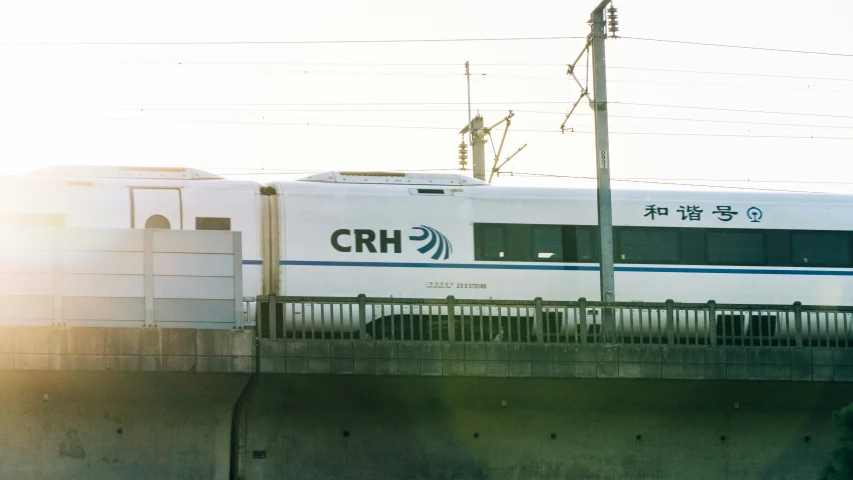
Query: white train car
x=431 y=236
x=434 y=235
x=139 y=197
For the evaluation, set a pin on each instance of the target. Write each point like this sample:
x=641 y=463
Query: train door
x=156 y=208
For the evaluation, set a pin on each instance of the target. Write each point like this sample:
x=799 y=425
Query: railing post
x=56 y=275
x=451 y=318
x=148 y=269
x=273 y=314
x=538 y=317
x=670 y=319
x=238 y=279
x=798 y=322
x=712 y=322
x=362 y=313
x=582 y=310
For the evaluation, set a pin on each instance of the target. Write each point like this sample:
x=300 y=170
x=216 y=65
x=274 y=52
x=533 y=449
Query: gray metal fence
x=554 y=322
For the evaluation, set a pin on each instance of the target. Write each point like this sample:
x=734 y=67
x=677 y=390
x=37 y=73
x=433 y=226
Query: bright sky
x=246 y=108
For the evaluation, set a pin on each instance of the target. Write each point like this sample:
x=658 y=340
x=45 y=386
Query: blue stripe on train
x=585 y=268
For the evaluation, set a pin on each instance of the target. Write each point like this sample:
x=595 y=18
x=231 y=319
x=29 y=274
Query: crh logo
x=432 y=242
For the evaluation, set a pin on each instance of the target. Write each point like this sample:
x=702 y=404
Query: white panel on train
x=157 y=208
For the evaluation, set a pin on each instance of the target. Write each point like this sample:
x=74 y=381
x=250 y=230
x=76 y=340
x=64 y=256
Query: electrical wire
x=742 y=47
x=718 y=109
x=656 y=182
x=289 y=42
x=313 y=124
x=653 y=181
x=507 y=103
x=531 y=112
x=456 y=65
x=273 y=172
x=415 y=127
x=250 y=171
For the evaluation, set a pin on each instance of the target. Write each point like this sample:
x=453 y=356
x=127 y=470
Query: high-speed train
x=417 y=235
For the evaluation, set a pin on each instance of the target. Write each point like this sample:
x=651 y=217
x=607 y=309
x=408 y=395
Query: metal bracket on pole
x=584 y=88
x=574 y=106
x=497 y=170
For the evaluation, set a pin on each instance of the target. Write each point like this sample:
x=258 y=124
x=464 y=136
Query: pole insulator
x=463 y=155
x=612 y=21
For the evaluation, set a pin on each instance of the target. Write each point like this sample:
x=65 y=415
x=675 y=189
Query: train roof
x=110 y=171
x=342 y=183
x=394 y=178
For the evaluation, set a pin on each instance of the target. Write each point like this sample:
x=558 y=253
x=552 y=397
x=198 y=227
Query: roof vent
x=394 y=178
x=104 y=171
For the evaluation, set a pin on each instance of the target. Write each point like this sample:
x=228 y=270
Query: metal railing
x=553 y=322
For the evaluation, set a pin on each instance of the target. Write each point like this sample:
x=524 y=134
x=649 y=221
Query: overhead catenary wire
x=652 y=181
x=505 y=103
x=402 y=40
x=741 y=47
x=661 y=182
x=531 y=112
x=478 y=64
x=739 y=110
x=417 y=127
x=282 y=42
x=272 y=171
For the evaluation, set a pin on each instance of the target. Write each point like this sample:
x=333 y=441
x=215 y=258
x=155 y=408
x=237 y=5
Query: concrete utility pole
x=602 y=152
x=478 y=146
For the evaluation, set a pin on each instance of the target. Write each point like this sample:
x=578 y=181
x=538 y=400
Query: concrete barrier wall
x=476 y=359
x=126 y=349
x=120 y=277
x=309 y=427
x=107 y=425
x=110 y=425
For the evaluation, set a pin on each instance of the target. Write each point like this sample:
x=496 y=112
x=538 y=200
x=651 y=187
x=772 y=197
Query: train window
x=547 y=243
x=492 y=242
x=735 y=247
x=212 y=223
x=820 y=249
x=648 y=245
x=158 y=221
x=585 y=246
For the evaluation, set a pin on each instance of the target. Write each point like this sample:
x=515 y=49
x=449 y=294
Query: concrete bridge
x=88 y=402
